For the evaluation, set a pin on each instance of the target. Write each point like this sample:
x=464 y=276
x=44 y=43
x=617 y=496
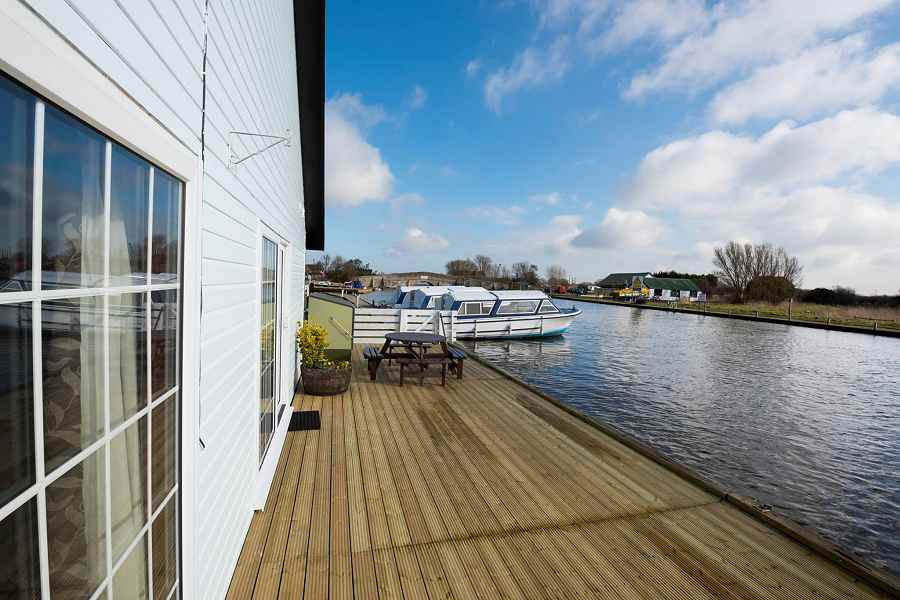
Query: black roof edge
x=309 y=40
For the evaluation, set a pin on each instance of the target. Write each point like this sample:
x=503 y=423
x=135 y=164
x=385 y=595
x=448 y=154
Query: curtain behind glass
x=73 y=206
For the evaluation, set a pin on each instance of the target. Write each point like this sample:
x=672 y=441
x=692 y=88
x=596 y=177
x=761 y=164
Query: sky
x=606 y=135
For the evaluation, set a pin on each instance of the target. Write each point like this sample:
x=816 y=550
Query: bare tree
x=484 y=264
x=463 y=267
x=739 y=264
x=556 y=275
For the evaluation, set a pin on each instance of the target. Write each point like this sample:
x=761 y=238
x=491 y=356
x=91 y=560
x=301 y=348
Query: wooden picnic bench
x=410 y=348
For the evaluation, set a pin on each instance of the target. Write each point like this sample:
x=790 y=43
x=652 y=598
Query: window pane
x=163 y=340
x=73 y=373
x=163 y=449
x=73 y=207
x=16 y=183
x=130 y=581
x=20 y=568
x=166 y=227
x=127 y=356
x=128 y=481
x=16 y=401
x=129 y=211
x=165 y=536
x=76 y=524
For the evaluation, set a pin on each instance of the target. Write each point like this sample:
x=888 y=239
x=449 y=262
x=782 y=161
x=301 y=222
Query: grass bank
x=847 y=318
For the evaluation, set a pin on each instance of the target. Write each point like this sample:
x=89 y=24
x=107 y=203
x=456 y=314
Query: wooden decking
x=485 y=490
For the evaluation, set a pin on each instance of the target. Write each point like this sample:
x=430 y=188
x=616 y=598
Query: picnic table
x=411 y=348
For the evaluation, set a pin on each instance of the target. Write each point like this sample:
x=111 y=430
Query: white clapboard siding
x=152 y=49
x=370 y=324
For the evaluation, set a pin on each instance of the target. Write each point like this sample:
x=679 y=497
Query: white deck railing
x=370 y=324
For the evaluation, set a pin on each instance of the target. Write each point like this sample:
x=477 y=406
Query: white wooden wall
x=152 y=50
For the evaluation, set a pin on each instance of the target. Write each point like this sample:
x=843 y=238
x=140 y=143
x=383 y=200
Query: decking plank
x=483 y=489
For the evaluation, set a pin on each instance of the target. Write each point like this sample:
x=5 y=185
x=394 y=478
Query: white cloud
x=747 y=33
x=835 y=75
x=410 y=199
x=551 y=199
x=354 y=170
x=622 y=229
x=473 y=67
x=555 y=237
x=639 y=19
x=502 y=215
x=700 y=175
x=788 y=186
x=416 y=240
x=417 y=97
x=533 y=67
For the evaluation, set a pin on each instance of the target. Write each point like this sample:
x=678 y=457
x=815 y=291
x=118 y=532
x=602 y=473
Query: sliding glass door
x=271 y=293
x=89 y=361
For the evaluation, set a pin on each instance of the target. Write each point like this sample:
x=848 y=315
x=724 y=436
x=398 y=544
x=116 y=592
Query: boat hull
x=514 y=327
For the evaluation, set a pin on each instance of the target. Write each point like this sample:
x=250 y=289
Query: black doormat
x=305 y=420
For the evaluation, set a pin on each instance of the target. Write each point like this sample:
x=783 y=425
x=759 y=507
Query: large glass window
x=89 y=352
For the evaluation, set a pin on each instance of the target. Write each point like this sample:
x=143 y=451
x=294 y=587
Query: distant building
x=665 y=289
x=616 y=284
x=643 y=284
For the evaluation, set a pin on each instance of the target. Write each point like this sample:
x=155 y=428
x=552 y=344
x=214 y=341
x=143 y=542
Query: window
x=518 y=307
x=548 y=307
x=90 y=328
x=468 y=309
x=267 y=340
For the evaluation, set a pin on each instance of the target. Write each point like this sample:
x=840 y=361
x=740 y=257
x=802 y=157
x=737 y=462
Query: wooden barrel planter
x=325 y=382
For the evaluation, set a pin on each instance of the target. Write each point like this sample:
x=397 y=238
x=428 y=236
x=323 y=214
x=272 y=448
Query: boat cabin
x=476 y=302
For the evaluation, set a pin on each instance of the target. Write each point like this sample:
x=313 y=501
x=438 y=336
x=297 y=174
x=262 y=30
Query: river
x=805 y=420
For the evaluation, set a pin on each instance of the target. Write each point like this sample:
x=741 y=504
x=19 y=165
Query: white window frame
x=547 y=303
x=283 y=389
x=480 y=303
x=500 y=310
x=55 y=70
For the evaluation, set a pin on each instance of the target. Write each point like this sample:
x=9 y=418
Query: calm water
x=802 y=419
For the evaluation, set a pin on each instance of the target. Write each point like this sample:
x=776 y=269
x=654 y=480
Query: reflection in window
x=129 y=211
x=163 y=449
x=166 y=227
x=73 y=207
x=20 y=568
x=130 y=580
x=165 y=538
x=128 y=485
x=73 y=374
x=163 y=340
x=76 y=525
x=16 y=401
x=127 y=356
x=16 y=183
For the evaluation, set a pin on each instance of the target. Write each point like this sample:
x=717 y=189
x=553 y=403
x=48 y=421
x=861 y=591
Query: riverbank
x=800 y=316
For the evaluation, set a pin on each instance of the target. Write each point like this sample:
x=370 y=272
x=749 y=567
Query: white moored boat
x=483 y=314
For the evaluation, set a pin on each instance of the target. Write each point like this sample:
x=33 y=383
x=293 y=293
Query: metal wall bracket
x=273 y=140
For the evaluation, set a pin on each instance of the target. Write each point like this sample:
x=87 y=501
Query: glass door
x=271 y=288
x=90 y=287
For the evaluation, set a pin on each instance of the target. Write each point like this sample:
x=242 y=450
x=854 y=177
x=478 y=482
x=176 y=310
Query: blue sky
x=615 y=136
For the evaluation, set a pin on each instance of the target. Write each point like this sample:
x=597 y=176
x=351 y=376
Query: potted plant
x=321 y=376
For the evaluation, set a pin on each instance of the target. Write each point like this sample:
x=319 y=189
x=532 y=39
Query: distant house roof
x=664 y=283
x=621 y=279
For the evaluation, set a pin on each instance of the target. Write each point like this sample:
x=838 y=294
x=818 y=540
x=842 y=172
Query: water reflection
x=803 y=419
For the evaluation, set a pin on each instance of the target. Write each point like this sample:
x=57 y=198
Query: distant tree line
x=846 y=296
x=339 y=269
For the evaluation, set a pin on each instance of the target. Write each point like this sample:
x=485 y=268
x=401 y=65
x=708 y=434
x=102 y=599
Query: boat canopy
x=481 y=294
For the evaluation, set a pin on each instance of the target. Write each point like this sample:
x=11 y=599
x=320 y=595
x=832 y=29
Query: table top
x=415 y=337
